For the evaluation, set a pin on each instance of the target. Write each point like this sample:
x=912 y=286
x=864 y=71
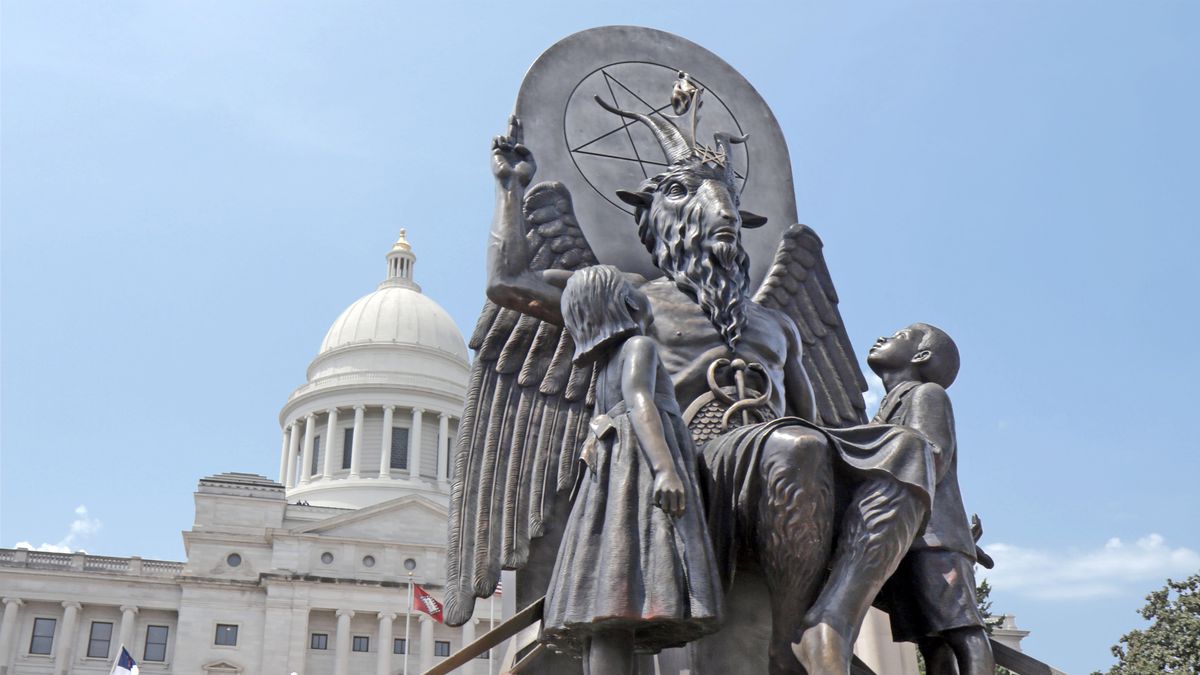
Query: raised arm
x=639 y=368
x=931 y=415
x=511 y=283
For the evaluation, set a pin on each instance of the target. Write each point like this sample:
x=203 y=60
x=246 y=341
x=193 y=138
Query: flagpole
x=407 y=615
x=492 y=627
x=118 y=660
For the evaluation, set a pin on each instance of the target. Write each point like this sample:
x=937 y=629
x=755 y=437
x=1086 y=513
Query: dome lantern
x=400 y=261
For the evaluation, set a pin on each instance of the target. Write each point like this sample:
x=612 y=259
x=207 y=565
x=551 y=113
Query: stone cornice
x=371 y=511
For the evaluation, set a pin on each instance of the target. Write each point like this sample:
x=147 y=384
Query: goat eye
x=676 y=191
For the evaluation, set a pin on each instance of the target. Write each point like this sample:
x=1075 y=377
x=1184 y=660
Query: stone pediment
x=394 y=520
x=221 y=668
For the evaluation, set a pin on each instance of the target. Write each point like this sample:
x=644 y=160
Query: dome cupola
x=377 y=416
x=400 y=264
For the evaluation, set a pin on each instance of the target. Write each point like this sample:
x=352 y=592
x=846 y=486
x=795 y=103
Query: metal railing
x=528 y=650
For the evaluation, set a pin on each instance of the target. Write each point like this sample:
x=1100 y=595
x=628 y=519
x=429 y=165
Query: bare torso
x=688 y=343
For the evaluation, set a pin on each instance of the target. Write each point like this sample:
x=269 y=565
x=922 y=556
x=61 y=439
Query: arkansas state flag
x=426 y=603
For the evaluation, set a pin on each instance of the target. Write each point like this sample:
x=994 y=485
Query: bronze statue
x=635 y=571
x=931 y=597
x=793 y=481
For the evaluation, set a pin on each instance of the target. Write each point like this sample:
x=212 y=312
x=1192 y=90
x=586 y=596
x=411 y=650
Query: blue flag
x=125 y=664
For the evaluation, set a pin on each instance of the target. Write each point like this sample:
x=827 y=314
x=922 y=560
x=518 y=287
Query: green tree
x=1171 y=644
x=982 y=591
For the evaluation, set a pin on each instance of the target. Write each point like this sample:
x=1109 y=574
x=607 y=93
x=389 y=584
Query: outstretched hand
x=668 y=492
x=510 y=158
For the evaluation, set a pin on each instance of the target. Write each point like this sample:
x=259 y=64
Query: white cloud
x=1112 y=569
x=874 y=393
x=81 y=527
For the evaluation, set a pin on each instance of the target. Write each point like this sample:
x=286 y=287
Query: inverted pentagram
x=613 y=153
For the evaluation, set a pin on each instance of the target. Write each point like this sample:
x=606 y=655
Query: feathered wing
x=526 y=416
x=798 y=284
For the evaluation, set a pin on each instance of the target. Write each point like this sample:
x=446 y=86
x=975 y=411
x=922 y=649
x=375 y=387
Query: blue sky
x=193 y=191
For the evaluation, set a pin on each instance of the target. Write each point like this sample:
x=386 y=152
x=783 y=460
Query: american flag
x=499 y=588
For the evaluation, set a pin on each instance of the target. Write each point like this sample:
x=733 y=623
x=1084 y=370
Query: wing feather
x=798 y=284
x=526 y=415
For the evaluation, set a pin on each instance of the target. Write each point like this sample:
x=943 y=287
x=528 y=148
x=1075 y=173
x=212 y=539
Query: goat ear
x=752 y=220
x=640 y=200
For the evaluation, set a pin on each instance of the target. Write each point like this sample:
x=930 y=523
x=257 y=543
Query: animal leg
x=795 y=533
x=877 y=528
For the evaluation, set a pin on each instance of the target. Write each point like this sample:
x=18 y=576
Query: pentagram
x=614 y=153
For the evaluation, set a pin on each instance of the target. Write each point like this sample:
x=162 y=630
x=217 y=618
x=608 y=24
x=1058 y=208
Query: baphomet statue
x=794 y=484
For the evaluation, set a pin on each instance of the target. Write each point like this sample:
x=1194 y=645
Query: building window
x=361 y=643
x=327 y=558
x=399 y=646
x=316 y=458
x=368 y=561
x=319 y=641
x=347 y=445
x=156 y=643
x=43 y=636
x=233 y=559
x=486 y=656
x=99 y=640
x=441 y=648
x=400 y=448
x=226 y=635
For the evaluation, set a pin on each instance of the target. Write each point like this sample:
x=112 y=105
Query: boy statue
x=931 y=596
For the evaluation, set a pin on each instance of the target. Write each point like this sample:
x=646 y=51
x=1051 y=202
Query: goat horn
x=725 y=143
x=669 y=136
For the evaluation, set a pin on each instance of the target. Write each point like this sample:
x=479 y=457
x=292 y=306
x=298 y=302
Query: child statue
x=931 y=596
x=635 y=571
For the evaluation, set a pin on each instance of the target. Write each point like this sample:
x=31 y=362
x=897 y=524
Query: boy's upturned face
x=897 y=351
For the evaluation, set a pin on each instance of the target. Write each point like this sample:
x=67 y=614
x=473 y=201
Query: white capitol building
x=306 y=574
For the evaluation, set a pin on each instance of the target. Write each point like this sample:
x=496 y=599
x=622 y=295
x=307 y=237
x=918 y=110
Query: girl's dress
x=624 y=563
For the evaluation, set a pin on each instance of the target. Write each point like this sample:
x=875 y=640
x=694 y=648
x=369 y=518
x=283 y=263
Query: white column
x=283 y=457
x=383 y=666
x=8 y=628
x=128 y=623
x=297 y=645
x=66 y=638
x=342 y=644
x=443 y=445
x=385 y=454
x=468 y=636
x=305 y=459
x=876 y=649
x=356 y=442
x=414 y=448
x=426 y=642
x=289 y=476
x=330 y=428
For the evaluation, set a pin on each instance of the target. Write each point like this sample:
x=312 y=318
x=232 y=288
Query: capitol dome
x=382 y=400
x=397 y=313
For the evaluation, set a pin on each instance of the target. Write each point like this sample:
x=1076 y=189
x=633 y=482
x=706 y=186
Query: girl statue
x=636 y=570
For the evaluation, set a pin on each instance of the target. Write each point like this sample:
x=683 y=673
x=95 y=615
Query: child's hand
x=668 y=492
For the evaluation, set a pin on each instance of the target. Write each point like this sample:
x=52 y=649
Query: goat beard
x=712 y=273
